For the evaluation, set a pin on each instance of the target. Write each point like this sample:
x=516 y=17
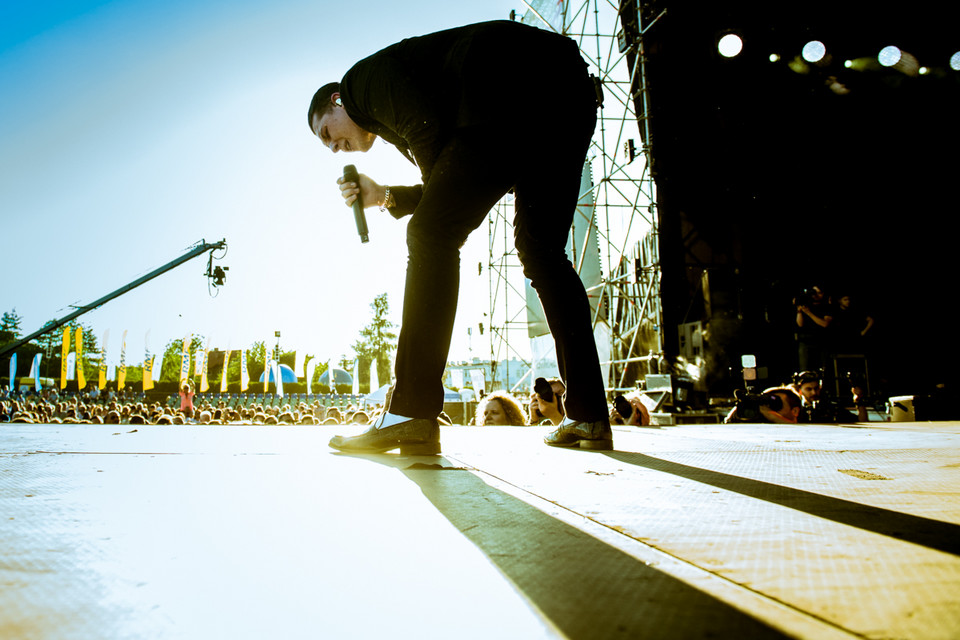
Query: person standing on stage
x=481 y=109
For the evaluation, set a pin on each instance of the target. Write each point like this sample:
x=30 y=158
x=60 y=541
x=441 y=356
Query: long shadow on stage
x=583 y=586
x=934 y=534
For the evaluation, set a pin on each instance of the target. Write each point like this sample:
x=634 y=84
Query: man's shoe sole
x=592 y=445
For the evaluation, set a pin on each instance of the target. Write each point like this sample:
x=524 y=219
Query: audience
x=500 y=409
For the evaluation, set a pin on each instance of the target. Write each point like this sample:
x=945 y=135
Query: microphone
x=350 y=175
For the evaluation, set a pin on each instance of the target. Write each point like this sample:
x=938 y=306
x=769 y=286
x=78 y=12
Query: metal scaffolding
x=627 y=320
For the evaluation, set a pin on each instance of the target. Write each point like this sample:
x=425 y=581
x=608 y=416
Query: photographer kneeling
x=777 y=405
x=629 y=410
x=546 y=401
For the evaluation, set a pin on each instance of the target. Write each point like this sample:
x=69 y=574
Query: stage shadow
x=585 y=587
x=934 y=534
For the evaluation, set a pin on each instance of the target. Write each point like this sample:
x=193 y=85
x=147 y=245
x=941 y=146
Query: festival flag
x=331 y=378
x=223 y=377
x=198 y=362
x=13 y=372
x=311 y=367
x=35 y=372
x=374 y=376
x=81 y=379
x=102 y=382
x=185 y=360
x=278 y=377
x=204 y=361
x=147 y=363
x=71 y=365
x=356 y=377
x=300 y=362
x=63 y=358
x=148 y=372
x=156 y=365
x=456 y=378
x=244 y=374
x=122 y=371
x=266 y=366
x=479 y=382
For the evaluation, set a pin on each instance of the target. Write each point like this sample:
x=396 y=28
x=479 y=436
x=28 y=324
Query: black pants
x=542 y=158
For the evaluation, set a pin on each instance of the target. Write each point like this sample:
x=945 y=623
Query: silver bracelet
x=386 y=199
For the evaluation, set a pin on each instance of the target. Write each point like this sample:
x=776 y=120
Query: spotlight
x=903 y=61
x=730 y=45
x=814 y=51
x=889 y=56
x=774 y=57
x=955 y=61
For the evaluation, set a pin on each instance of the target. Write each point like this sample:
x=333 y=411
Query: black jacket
x=415 y=93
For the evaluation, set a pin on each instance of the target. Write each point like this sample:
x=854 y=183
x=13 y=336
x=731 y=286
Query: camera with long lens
x=805 y=298
x=749 y=404
x=623 y=407
x=543 y=389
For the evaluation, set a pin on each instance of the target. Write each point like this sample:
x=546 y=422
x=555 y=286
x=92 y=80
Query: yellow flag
x=81 y=381
x=148 y=373
x=122 y=370
x=204 y=383
x=223 y=378
x=103 y=361
x=63 y=359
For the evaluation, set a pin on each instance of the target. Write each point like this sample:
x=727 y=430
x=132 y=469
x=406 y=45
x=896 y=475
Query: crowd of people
x=81 y=409
x=801 y=401
x=798 y=402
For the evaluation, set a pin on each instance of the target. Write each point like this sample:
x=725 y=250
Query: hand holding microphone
x=350 y=175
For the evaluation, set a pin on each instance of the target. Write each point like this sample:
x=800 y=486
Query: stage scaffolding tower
x=628 y=318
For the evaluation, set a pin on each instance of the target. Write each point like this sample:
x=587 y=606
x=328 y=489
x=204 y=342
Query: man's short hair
x=321 y=102
x=804 y=377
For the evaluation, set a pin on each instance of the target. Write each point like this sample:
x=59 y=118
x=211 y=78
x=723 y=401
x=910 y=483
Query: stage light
x=889 y=56
x=862 y=64
x=903 y=61
x=955 y=61
x=730 y=45
x=774 y=57
x=814 y=51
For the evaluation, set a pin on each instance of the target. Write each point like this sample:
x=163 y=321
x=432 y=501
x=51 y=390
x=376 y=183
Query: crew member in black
x=481 y=110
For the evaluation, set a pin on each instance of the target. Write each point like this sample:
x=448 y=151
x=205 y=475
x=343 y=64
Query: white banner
x=35 y=372
x=244 y=374
x=479 y=381
x=374 y=376
x=278 y=377
x=71 y=365
x=13 y=372
x=311 y=367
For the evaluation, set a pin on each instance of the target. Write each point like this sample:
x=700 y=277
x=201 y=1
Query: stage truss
x=628 y=318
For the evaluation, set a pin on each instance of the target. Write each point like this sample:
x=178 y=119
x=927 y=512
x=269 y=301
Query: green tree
x=376 y=342
x=170 y=365
x=10 y=326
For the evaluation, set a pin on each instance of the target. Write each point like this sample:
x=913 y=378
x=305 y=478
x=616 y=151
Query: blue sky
x=129 y=130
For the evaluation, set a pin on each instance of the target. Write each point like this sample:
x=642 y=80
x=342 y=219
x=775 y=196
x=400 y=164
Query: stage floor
x=698 y=531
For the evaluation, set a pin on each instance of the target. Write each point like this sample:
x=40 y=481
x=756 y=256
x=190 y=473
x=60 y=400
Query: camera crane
x=216 y=277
